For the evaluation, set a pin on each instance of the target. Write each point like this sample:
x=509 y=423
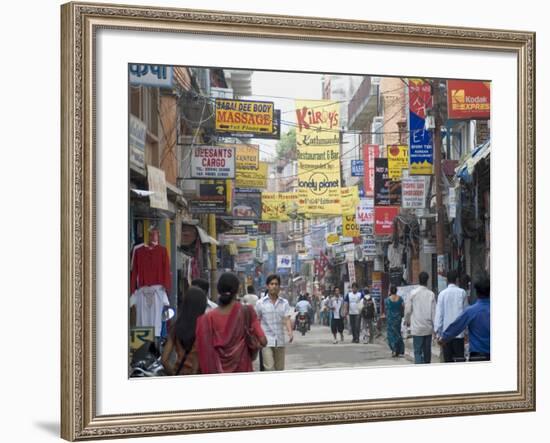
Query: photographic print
x=254 y=201
x=414 y=287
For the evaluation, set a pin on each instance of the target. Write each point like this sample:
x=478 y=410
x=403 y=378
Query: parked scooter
x=146 y=361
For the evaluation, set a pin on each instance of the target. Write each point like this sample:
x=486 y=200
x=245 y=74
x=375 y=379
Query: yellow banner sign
x=252 y=178
x=276 y=206
x=244 y=116
x=350 y=228
x=318 y=155
x=398 y=159
x=350 y=200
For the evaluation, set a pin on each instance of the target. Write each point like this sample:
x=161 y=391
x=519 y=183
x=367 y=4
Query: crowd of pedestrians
x=226 y=337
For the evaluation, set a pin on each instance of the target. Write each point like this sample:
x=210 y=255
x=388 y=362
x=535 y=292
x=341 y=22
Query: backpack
x=368 y=310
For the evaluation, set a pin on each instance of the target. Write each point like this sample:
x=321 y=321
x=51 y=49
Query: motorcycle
x=146 y=360
x=302 y=323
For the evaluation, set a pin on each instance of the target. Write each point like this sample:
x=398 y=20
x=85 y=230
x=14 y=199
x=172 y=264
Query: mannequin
x=149 y=282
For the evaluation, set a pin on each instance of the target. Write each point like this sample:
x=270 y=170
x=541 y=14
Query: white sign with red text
x=213 y=162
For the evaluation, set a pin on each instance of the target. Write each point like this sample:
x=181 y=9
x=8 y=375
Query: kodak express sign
x=468 y=99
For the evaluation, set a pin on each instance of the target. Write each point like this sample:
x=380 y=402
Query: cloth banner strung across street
x=318 y=154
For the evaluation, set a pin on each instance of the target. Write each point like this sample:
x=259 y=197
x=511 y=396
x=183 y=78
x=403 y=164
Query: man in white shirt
x=274 y=315
x=419 y=315
x=336 y=307
x=451 y=302
x=353 y=307
x=304 y=307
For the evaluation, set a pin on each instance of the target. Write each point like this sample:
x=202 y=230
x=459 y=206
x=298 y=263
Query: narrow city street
x=316 y=350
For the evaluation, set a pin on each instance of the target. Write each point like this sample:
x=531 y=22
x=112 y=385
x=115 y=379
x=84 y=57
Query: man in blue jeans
x=420 y=315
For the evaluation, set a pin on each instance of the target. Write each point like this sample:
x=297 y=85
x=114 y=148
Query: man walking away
x=419 y=315
x=274 y=314
x=353 y=308
x=477 y=318
x=451 y=302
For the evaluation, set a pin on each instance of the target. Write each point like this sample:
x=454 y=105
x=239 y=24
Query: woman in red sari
x=220 y=333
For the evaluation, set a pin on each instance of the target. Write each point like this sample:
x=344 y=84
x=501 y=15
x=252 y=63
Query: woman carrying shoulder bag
x=223 y=334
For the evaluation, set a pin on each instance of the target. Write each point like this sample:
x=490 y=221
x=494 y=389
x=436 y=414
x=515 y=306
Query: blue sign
x=421 y=147
x=357 y=168
x=158 y=76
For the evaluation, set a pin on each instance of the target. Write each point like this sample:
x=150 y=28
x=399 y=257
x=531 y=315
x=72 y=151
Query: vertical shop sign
x=381 y=182
x=413 y=192
x=157 y=184
x=318 y=155
x=398 y=159
x=370 y=152
x=421 y=145
x=138 y=133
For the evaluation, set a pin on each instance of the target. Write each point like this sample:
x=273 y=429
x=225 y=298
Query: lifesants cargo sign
x=213 y=162
x=239 y=116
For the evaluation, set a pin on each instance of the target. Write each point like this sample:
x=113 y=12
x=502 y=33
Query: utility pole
x=440 y=209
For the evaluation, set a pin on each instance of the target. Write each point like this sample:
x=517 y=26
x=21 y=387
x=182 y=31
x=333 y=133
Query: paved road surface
x=316 y=350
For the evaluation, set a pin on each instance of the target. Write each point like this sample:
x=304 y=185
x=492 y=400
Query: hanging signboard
x=398 y=159
x=247 y=157
x=364 y=213
x=157 y=184
x=332 y=238
x=357 y=168
x=381 y=182
x=318 y=155
x=370 y=152
x=211 y=200
x=350 y=200
x=421 y=146
x=383 y=219
x=369 y=245
x=264 y=227
x=247 y=205
x=156 y=76
x=468 y=99
x=137 y=135
x=284 y=261
x=350 y=228
x=213 y=162
x=244 y=116
x=276 y=206
x=252 y=178
x=395 y=193
x=414 y=192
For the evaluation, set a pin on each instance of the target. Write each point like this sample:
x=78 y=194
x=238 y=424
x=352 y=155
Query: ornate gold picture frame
x=81 y=23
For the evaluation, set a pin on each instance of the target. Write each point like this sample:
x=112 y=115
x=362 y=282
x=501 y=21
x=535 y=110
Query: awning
x=205 y=238
x=203 y=235
x=466 y=169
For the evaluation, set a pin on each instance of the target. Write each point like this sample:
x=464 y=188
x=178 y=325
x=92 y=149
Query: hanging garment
x=395 y=255
x=149 y=302
x=150 y=266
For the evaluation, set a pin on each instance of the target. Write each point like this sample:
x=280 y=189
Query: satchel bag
x=252 y=341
